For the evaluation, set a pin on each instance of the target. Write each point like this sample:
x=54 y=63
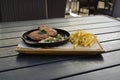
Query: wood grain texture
x=59 y=69
x=35 y=67
x=50 y=21
x=105 y=74
x=62 y=25
x=15 y=41
x=66 y=49
x=8 y=51
x=68 y=28
x=15 y=64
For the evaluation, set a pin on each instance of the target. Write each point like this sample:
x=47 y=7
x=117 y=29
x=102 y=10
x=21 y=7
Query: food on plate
x=53 y=39
x=37 y=35
x=82 y=38
x=50 y=31
x=46 y=34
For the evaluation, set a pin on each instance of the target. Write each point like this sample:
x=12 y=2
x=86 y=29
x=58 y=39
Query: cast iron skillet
x=33 y=43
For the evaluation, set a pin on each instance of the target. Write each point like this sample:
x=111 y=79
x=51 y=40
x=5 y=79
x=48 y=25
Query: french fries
x=82 y=38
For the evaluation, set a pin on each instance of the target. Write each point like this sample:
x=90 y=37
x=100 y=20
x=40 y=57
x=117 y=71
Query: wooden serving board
x=66 y=49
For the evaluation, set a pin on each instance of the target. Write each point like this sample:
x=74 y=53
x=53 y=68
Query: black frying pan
x=33 y=43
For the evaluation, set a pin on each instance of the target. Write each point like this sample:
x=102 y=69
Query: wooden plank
x=97 y=30
x=59 y=69
x=110 y=36
x=108 y=46
x=12 y=60
x=11 y=35
x=61 y=25
x=52 y=21
x=8 y=51
x=24 y=61
x=36 y=64
x=84 y=27
x=105 y=74
x=38 y=67
x=9 y=42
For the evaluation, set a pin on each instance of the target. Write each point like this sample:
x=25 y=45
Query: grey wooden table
x=15 y=66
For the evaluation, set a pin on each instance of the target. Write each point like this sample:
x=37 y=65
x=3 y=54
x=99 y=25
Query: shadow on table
x=23 y=58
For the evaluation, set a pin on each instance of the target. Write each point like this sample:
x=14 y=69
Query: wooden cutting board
x=66 y=49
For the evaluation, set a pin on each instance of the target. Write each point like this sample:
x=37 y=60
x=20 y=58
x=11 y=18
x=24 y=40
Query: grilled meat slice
x=50 y=31
x=36 y=36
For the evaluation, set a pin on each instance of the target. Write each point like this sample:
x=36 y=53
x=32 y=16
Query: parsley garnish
x=42 y=32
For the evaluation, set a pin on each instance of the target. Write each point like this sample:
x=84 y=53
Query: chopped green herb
x=57 y=38
x=42 y=32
